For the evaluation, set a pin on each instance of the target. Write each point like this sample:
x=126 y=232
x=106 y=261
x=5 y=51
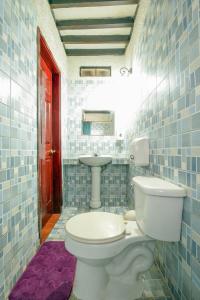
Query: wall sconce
x=125 y=71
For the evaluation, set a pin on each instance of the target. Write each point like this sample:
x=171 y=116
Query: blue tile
x=193 y=176
x=182 y=177
x=186 y=124
x=194 y=248
x=198 y=164
x=182 y=251
x=186 y=285
x=197 y=76
x=196 y=270
x=188 y=258
x=196 y=121
x=198 y=252
x=196 y=138
x=194 y=164
x=195 y=289
x=186 y=140
x=196 y=216
x=193 y=36
x=181 y=103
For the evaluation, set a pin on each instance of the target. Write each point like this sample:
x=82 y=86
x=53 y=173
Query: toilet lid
x=96 y=227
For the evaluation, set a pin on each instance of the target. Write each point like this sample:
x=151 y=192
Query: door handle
x=52 y=151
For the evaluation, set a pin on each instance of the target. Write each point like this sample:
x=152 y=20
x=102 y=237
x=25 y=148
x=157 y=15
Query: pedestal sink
x=95 y=162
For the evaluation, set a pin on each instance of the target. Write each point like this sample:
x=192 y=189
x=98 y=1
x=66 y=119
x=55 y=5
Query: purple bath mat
x=49 y=275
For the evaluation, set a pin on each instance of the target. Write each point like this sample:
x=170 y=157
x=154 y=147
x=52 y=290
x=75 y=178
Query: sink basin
x=95 y=161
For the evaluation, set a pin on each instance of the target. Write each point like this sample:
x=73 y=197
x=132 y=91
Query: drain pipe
x=123 y=261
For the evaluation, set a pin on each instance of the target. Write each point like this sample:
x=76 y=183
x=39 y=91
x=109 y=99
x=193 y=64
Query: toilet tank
x=158 y=207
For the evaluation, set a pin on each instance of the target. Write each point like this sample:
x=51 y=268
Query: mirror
x=98 y=122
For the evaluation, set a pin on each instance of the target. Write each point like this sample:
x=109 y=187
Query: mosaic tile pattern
x=155 y=287
x=64 y=121
x=101 y=129
x=80 y=93
x=18 y=140
x=5 y=36
x=168 y=57
x=77 y=185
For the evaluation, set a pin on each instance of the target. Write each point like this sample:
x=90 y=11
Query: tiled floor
x=154 y=286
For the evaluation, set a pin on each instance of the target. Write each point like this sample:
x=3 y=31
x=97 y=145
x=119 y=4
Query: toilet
x=112 y=252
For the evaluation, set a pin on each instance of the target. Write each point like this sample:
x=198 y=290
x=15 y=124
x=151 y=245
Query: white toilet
x=112 y=252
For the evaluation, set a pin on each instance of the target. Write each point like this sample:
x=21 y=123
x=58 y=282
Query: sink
x=95 y=161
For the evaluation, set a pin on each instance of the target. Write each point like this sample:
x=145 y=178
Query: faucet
x=95 y=154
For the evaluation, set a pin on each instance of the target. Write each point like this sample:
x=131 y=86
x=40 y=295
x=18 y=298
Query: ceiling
x=94 y=27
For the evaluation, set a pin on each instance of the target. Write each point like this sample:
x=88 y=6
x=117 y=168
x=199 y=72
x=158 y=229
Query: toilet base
x=118 y=291
x=114 y=278
x=90 y=280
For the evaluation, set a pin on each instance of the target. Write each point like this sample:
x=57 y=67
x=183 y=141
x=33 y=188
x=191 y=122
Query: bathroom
x=151 y=59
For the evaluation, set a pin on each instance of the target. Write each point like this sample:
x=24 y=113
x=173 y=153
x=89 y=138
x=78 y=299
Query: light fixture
x=125 y=71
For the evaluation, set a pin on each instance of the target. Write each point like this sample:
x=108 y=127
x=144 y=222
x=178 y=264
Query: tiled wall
x=96 y=94
x=167 y=67
x=91 y=94
x=77 y=185
x=18 y=137
x=86 y=94
x=18 y=130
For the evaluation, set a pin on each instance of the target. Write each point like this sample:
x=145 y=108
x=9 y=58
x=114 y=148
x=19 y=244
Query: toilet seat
x=96 y=227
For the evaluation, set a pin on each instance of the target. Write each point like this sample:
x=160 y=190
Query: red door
x=45 y=143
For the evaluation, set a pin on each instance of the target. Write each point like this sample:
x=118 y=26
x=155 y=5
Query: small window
x=95 y=71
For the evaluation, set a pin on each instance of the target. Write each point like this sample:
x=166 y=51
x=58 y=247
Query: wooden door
x=45 y=144
x=49 y=135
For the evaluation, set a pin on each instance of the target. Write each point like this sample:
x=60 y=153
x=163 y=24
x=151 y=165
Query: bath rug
x=49 y=275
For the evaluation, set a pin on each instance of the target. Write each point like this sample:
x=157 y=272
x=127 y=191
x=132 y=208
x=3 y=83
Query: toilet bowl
x=112 y=252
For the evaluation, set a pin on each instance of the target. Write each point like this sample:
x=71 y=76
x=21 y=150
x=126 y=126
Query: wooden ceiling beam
x=94 y=39
x=94 y=52
x=95 y=23
x=89 y=3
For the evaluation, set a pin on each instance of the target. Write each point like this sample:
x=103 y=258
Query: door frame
x=44 y=52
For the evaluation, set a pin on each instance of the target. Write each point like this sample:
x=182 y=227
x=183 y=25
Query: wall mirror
x=98 y=122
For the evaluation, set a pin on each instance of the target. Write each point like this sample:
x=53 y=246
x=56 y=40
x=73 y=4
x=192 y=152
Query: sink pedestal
x=96 y=186
x=95 y=162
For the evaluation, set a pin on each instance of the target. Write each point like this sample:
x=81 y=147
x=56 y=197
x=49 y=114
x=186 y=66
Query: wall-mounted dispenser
x=139 y=151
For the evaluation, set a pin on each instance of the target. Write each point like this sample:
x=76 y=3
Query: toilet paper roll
x=130 y=215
